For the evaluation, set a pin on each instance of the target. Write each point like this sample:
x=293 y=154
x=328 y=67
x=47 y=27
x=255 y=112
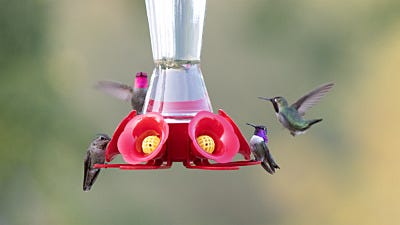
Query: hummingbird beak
x=276 y=107
x=268 y=99
x=141 y=74
x=251 y=125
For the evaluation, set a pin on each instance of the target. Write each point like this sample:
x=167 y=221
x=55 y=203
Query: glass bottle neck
x=176 y=28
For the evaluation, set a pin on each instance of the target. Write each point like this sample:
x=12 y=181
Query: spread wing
x=116 y=89
x=312 y=98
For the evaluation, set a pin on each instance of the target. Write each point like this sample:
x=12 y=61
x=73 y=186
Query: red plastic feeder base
x=203 y=166
x=178 y=142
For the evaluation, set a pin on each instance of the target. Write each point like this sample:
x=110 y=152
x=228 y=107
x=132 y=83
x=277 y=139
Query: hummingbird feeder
x=177 y=124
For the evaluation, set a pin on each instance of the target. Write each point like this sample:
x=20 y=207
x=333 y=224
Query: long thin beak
x=141 y=74
x=251 y=125
x=268 y=99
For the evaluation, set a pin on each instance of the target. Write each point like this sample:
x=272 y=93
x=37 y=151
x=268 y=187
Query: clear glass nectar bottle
x=177 y=90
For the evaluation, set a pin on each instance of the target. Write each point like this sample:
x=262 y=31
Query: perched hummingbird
x=95 y=155
x=258 y=146
x=135 y=94
x=291 y=117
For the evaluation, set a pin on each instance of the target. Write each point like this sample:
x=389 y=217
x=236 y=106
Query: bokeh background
x=344 y=171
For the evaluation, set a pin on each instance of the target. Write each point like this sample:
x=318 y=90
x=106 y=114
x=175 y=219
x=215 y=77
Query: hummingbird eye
x=102 y=138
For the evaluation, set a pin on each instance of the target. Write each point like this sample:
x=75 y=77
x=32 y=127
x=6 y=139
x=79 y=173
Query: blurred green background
x=344 y=171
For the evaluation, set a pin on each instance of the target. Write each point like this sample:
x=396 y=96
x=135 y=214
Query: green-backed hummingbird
x=258 y=146
x=95 y=155
x=134 y=94
x=292 y=117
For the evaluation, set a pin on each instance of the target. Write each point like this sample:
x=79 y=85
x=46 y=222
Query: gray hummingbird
x=95 y=155
x=135 y=95
x=292 y=117
x=258 y=146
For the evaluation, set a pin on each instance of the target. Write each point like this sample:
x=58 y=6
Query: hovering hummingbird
x=258 y=146
x=291 y=117
x=95 y=155
x=135 y=94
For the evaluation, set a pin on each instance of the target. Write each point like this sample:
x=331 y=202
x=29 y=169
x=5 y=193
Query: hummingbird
x=95 y=155
x=258 y=146
x=136 y=94
x=292 y=117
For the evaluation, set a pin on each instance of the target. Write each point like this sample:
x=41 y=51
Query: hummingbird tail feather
x=86 y=188
x=272 y=162
x=312 y=122
x=267 y=168
x=90 y=179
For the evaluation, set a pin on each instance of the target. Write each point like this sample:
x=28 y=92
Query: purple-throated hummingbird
x=291 y=117
x=95 y=155
x=258 y=146
x=136 y=94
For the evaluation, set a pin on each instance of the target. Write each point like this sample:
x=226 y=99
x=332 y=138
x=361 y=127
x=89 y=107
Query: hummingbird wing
x=91 y=178
x=271 y=161
x=86 y=168
x=264 y=163
x=90 y=174
x=261 y=153
x=311 y=98
x=268 y=160
x=116 y=89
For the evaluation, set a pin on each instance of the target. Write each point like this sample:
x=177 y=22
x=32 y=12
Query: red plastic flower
x=220 y=130
x=129 y=136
